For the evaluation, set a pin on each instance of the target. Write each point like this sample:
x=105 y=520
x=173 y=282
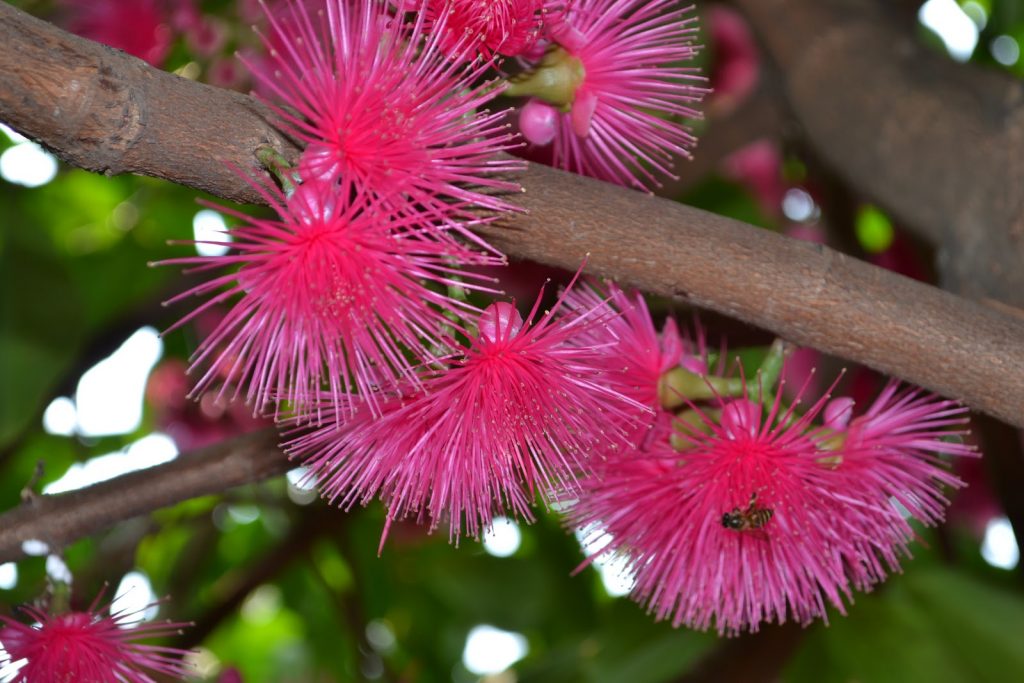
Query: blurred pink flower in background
x=735 y=63
x=230 y=675
x=139 y=27
x=758 y=168
x=227 y=72
x=206 y=36
x=902 y=257
x=184 y=14
x=194 y=424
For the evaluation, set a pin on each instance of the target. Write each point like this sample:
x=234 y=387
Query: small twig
x=28 y=492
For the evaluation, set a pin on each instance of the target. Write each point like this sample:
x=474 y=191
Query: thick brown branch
x=105 y=111
x=91 y=103
x=61 y=519
x=939 y=144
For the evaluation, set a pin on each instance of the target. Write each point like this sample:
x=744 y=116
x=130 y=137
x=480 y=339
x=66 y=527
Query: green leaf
x=40 y=331
x=934 y=624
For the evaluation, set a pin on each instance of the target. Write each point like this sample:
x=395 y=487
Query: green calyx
x=278 y=166
x=554 y=80
x=688 y=424
x=60 y=597
x=679 y=385
x=831 y=449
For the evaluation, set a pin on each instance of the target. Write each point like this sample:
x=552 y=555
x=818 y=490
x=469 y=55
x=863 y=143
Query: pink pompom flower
x=896 y=447
x=381 y=105
x=763 y=516
x=332 y=293
x=633 y=355
x=486 y=27
x=518 y=412
x=615 y=77
x=95 y=646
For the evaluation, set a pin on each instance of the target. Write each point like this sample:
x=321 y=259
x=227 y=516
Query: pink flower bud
x=500 y=322
x=319 y=162
x=838 y=412
x=741 y=418
x=538 y=122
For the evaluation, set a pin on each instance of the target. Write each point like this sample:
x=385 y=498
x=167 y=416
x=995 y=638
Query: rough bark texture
x=104 y=110
x=938 y=144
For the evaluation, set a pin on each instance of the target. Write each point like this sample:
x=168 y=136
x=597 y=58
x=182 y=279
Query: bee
x=747 y=520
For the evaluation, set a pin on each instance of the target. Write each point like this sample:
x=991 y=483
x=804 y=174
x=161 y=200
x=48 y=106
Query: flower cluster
x=352 y=319
x=358 y=320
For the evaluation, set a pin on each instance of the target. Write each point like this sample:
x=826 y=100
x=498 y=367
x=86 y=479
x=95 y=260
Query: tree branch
x=939 y=144
x=107 y=111
x=61 y=519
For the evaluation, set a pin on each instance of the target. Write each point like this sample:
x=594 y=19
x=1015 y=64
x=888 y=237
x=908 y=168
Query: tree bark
x=938 y=144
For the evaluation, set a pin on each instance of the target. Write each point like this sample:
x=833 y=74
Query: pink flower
x=632 y=354
x=517 y=413
x=896 y=448
x=736 y=63
x=758 y=167
x=206 y=37
x=95 y=646
x=764 y=517
x=486 y=27
x=615 y=80
x=138 y=27
x=386 y=109
x=332 y=293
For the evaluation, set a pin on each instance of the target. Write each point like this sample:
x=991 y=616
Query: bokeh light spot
x=503 y=538
x=209 y=226
x=27 y=164
x=999 y=546
x=491 y=650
